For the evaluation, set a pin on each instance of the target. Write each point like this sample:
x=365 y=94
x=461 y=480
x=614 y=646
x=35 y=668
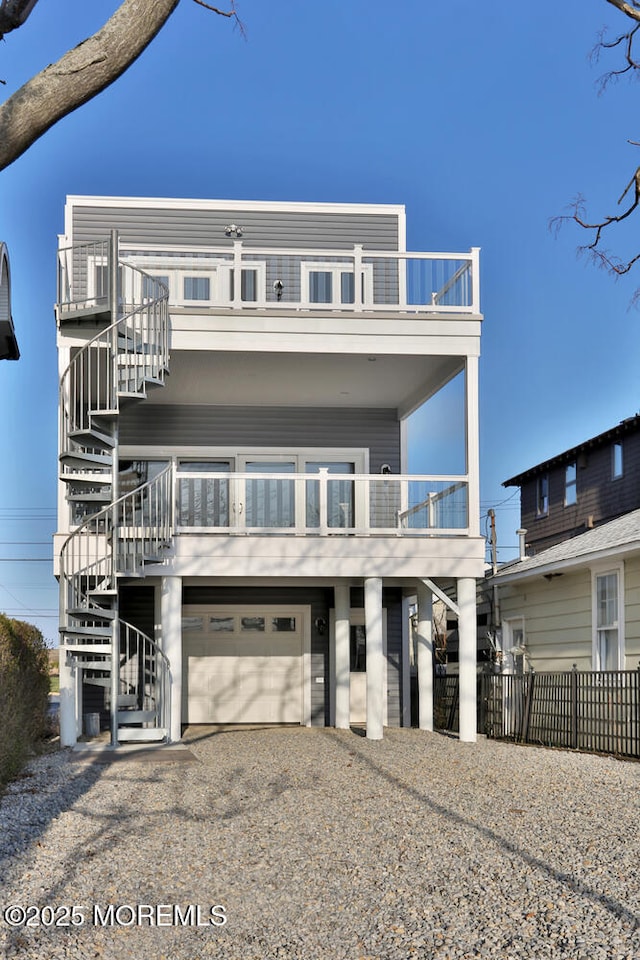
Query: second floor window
x=617 y=464
x=197 y=288
x=570 y=485
x=542 y=496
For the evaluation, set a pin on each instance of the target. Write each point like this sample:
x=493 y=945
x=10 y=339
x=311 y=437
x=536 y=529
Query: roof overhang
x=522 y=570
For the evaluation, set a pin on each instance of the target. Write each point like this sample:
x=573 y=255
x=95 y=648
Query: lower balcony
x=324 y=504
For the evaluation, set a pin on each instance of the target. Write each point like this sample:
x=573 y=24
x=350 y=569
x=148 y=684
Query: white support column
x=341 y=663
x=375 y=657
x=171 y=613
x=473 y=454
x=467 y=639
x=68 y=709
x=425 y=658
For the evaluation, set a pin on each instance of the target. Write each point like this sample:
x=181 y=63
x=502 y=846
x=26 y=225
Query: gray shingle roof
x=623 y=533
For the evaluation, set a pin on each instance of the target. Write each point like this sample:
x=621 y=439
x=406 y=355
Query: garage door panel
x=245 y=676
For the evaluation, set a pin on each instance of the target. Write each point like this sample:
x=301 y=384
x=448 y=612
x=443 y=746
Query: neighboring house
x=573 y=596
x=238 y=538
x=582 y=487
x=8 y=343
x=576 y=603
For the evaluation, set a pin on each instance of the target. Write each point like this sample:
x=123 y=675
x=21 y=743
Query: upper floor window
x=542 y=495
x=617 y=462
x=570 y=485
x=197 y=288
x=335 y=283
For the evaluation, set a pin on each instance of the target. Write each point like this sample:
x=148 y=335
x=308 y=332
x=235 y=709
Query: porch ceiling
x=322 y=380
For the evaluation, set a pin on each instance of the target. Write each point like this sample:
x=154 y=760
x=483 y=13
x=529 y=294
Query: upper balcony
x=241 y=276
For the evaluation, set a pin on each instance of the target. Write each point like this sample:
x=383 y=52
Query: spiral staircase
x=114 y=536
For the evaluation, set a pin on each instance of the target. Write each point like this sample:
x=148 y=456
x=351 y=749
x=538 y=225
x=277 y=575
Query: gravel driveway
x=316 y=843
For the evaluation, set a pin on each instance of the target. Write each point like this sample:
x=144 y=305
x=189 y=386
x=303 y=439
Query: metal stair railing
x=125 y=356
x=118 y=362
x=103 y=548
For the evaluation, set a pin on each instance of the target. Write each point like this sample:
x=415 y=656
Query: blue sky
x=483 y=119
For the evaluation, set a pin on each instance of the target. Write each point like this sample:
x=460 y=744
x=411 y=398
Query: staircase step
x=136 y=716
x=141 y=734
x=95 y=497
x=93 y=438
x=127 y=700
x=92 y=613
x=104 y=665
x=84 y=649
x=108 y=413
x=89 y=478
x=85 y=460
x=102 y=592
x=79 y=631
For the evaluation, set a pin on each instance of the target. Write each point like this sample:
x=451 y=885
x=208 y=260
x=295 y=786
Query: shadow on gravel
x=25 y=791
x=206 y=733
x=613 y=906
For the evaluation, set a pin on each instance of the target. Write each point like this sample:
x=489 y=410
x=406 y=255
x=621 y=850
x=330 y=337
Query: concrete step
x=141 y=734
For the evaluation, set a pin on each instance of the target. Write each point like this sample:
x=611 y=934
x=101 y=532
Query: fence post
x=637 y=744
x=527 y=707
x=574 y=707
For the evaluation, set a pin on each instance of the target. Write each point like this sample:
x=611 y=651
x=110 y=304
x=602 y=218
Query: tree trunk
x=79 y=75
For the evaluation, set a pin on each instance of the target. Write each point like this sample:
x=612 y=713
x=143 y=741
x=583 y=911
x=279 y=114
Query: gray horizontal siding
x=198 y=425
x=205 y=228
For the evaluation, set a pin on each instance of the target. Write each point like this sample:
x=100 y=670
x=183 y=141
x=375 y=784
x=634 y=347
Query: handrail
x=108 y=510
x=105 y=379
x=439 y=276
x=122 y=358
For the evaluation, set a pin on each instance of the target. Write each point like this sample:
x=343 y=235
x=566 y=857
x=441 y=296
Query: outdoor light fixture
x=278 y=286
x=232 y=230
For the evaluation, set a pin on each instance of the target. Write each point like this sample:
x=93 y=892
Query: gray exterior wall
x=261 y=228
x=211 y=426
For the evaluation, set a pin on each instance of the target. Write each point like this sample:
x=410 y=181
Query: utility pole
x=496 y=598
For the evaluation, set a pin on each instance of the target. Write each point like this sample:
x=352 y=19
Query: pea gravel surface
x=317 y=843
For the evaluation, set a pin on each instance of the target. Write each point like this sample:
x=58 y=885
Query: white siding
x=557 y=619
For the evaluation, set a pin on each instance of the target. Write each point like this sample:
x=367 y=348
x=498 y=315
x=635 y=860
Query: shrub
x=24 y=688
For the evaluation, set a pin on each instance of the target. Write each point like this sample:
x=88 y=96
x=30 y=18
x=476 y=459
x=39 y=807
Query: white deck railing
x=321 y=504
x=238 y=276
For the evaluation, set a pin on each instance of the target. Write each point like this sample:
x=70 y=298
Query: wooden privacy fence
x=578 y=710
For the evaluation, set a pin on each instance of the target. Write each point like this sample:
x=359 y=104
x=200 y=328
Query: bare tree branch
x=629 y=9
x=232 y=13
x=624 y=42
x=82 y=72
x=13 y=14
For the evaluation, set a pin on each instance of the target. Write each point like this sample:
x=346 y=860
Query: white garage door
x=243 y=665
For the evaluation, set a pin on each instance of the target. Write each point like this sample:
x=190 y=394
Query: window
x=248 y=285
x=203 y=501
x=570 y=485
x=357 y=648
x=617 y=463
x=197 y=288
x=335 y=283
x=607 y=603
x=542 y=496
